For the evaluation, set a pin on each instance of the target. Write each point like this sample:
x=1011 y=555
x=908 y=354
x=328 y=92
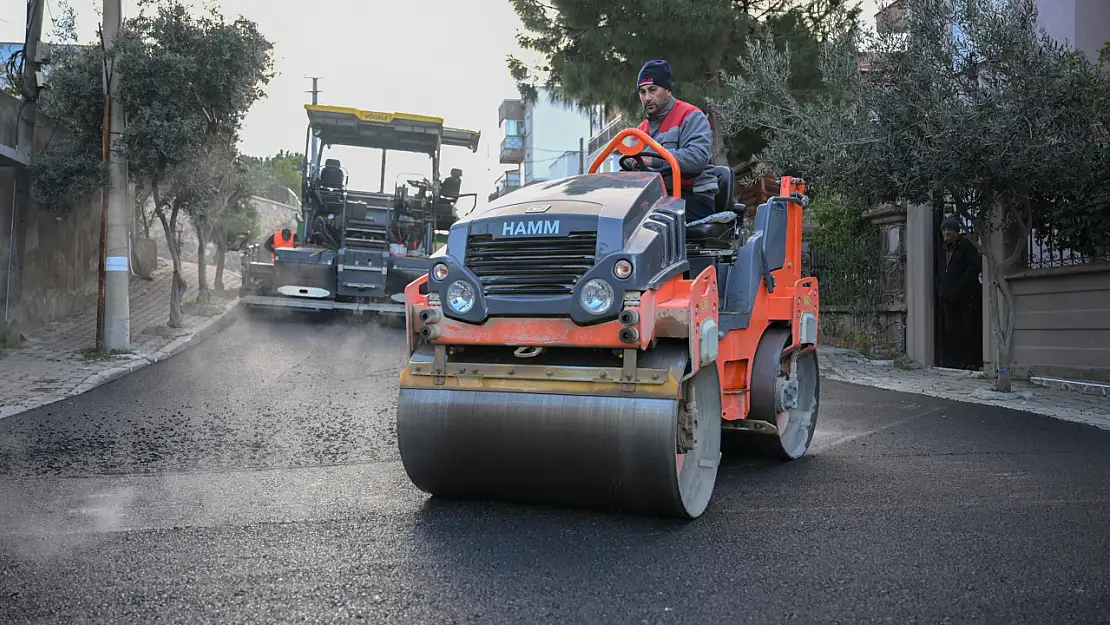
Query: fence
x=853 y=278
x=850 y=275
x=1040 y=254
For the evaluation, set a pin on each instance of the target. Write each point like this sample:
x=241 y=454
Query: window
x=514 y=128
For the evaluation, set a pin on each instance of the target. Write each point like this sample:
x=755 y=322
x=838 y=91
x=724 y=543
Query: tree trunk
x=1001 y=298
x=720 y=151
x=715 y=57
x=221 y=252
x=204 y=296
x=144 y=218
x=1005 y=332
x=178 y=286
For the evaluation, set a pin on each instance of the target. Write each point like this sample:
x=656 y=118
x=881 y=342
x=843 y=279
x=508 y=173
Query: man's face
x=654 y=98
x=950 y=235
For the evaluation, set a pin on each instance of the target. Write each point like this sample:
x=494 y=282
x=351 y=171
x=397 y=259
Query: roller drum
x=611 y=453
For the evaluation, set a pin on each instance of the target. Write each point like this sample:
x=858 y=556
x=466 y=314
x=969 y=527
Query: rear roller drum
x=785 y=392
x=631 y=454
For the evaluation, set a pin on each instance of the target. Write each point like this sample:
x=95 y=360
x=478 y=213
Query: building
x=542 y=139
x=1083 y=24
x=611 y=122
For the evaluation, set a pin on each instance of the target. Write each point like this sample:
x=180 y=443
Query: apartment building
x=544 y=139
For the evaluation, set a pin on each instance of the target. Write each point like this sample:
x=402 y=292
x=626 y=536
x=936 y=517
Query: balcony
x=512 y=150
x=510 y=109
x=510 y=181
x=606 y=135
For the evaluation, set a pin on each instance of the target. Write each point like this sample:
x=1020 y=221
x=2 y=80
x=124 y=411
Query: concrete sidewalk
x=1091 y=407
x=52 y=365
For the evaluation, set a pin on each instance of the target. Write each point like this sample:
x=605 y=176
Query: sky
x=378 y=55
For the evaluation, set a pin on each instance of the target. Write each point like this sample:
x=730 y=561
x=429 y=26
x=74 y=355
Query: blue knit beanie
x=656 y=73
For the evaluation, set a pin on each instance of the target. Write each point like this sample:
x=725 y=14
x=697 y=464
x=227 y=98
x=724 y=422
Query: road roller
x=579 y=344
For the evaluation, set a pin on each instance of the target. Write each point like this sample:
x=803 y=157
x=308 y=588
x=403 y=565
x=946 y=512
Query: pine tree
x=592 y=50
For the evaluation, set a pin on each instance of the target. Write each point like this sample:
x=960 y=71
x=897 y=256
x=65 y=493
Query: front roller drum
x=610 y=453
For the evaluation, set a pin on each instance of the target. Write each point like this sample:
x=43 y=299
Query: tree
x=241 y=216
x=1079 y=220
x=996 y=118
x=283 y=168
x=188 y=82
x=227 y=212
x=592 y=51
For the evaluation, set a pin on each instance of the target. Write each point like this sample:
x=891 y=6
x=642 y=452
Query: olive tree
x=973 y=105
x=188 y=78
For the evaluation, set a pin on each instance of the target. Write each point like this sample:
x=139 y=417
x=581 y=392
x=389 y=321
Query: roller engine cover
x=532 y=252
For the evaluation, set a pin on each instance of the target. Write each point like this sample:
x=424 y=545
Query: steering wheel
x=638 y=158
x=634 y=162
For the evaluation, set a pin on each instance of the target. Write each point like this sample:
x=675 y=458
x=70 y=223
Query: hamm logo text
x=538 y=227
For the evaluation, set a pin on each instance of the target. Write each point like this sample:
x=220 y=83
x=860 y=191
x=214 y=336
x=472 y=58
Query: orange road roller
x=579 y=344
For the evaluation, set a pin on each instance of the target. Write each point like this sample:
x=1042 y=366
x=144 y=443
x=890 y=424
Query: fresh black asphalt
x=255 y=479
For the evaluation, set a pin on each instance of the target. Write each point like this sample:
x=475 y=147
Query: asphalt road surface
x=255 y=478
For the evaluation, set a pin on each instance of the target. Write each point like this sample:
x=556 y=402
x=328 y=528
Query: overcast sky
x=372 y=55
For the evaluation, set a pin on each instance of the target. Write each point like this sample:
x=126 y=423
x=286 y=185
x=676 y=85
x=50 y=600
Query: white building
x=543 y=139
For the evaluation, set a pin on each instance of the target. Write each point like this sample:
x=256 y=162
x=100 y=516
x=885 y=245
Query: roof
x=339 y=125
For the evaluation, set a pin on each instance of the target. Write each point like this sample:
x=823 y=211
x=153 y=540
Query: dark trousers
x=698 y=205
x=957 y=334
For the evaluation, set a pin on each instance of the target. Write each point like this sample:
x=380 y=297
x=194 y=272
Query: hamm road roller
x=578 y=344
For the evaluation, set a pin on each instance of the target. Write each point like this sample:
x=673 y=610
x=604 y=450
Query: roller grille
x=531 y=265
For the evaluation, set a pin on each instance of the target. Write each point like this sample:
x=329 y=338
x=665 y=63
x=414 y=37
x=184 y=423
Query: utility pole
x=25 y=147
x=315 y=99
x=581 y=155
x=114 y=321
x=29 y=106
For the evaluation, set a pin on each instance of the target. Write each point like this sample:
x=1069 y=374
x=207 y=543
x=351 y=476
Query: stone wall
x=61 y=255
x=880 y=328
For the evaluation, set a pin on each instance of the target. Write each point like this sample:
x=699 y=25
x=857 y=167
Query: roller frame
x=681 y=314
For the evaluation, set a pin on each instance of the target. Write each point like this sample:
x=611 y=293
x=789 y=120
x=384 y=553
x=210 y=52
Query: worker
x=683 y=130
x=959 y=289
x=450 y=188
x=282 y=238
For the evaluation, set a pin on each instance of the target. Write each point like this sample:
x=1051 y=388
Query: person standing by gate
x=958 y=287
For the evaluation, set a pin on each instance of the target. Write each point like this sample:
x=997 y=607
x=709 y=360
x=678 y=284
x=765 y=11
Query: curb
x=1096 y=389
x=178 y=345
x=981 y=396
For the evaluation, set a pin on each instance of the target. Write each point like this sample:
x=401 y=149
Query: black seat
x=717 y=229
x=331 y=175
x=726 y=191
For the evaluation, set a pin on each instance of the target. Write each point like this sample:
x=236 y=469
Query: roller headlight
x=622 y=269
x=460 y=297
x=596 y=296
x=439 y=272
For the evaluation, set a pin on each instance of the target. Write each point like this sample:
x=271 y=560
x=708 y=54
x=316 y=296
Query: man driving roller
x=683 y=130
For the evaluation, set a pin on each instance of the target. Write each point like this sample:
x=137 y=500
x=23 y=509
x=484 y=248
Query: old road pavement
x=255 y=478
